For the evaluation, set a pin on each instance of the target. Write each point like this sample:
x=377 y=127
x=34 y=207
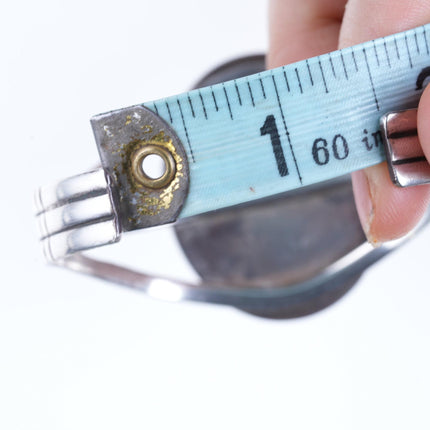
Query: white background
x=76 y=353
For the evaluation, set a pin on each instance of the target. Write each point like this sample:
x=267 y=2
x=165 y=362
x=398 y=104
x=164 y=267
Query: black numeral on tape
x=270 y=128
x=321 y=153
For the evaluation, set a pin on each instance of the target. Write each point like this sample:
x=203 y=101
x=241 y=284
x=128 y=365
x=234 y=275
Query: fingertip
x=387 y=212
x=423 y=122
x=363 y=200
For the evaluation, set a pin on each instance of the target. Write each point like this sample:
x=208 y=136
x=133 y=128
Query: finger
x=303 y=29
x=364 y=19
x=386 y=211
x=424 y=122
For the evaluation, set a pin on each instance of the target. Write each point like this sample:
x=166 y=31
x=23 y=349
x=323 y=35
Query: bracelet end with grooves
x=76 y=214
x=407 y=163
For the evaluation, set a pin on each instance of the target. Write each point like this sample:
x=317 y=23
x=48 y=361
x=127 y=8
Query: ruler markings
x=370 y=77
x=250 y=93
x=416 y=41
x=186 y=131
x=331 y=64
x=409 y=52
x=425 y=40
x=228 y=101
x=286 y=79
x=387 y=54
x=238 y=93
x=309 y=72
x=191 y=106
x=214 y=99
x=322 y=74
x=376 y=52
x=397 y=48
x=286 y=128
x=355 y=60
x=344 y=66
x=262 y=86
x=170 y=113
x=298 y=80
x=299 y=124
x=203 y=105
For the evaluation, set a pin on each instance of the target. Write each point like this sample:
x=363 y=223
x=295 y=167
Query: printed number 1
x=270 y=128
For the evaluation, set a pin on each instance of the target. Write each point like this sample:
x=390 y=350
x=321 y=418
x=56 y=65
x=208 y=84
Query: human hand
x=307 y=28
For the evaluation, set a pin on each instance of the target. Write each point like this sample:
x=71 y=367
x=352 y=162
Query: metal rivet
x=139 y=174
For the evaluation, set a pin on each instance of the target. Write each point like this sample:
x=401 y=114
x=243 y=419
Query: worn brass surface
x=139 y=156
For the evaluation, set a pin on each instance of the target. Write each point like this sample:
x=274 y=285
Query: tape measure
x=295 y=125
x=239 y=141
x=242 y=140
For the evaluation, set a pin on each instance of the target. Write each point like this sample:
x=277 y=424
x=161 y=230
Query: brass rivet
x=169 y=162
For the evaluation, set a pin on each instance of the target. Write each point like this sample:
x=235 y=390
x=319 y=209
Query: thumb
x=386 y=211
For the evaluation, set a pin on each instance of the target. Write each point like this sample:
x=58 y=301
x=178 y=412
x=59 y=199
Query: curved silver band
x=351 y=265
x=79 y=213
x=76 y=214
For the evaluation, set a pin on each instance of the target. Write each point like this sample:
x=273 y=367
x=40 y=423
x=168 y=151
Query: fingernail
x=364 y=203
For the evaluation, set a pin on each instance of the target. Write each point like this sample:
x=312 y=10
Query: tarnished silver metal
x=407 y=163
x=77 y=214
x=285 y=301
x=283 y=257
x=92 y=209
x=278 y=242
x=124 y=137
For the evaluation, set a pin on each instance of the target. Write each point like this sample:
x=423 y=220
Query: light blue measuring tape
x=240 y=141
x=295 y=125
x=244 y=140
